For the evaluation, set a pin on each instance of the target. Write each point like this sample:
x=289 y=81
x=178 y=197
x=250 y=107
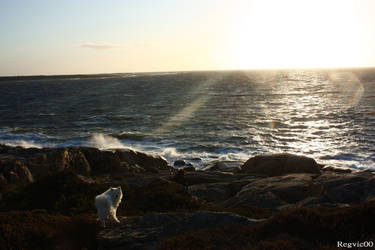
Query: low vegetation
x=302 y=228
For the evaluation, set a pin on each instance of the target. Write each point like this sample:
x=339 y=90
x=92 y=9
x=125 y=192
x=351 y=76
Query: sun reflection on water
x=298 y=112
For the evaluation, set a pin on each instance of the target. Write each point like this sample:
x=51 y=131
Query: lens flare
x=269 y=116
x=188 y=112
x=350 y=89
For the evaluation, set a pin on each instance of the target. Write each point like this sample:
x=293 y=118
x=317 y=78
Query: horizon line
x=182 y=71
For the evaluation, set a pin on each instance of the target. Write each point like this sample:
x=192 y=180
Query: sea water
x=199 y=117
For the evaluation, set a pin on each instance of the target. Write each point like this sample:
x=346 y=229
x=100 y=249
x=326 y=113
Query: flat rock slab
x=147 y=232
x=273 y=192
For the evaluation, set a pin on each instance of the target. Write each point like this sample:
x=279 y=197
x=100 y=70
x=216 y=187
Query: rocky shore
x=279 y=201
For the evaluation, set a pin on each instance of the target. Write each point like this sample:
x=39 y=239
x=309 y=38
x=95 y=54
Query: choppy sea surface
x=199 y=117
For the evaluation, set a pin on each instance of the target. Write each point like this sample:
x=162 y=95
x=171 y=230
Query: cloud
x=92 y=45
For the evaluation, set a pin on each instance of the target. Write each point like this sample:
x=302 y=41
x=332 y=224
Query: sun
x=294 y=34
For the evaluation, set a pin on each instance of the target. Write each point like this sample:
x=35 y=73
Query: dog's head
x=116 y=194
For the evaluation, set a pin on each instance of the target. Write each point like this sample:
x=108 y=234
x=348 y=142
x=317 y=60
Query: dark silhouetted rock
x=189 y=169
x=82 y=160
x=149 y=231
x=273 y=192
x=179 y=163
x=222 y=166
x=280 y=164
x=217 y=192
x=347 y=188
x=157 y=195
x=179 y=177
x=15 y=172
x=39 y=230
x=149 y=163
x=3 y=181
x=336 y=170
x=204 y=177
x=64 y=192
x=299 y=228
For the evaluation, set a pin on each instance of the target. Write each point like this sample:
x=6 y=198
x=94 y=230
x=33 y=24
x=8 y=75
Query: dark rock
x=102 y=162
x=3 y=181
x=300 y=228
x=346 y=188
x=293 y=190
x=317 y=202
x=273 y=192
x=64 y=192
x=217 y=192
x=280 y=164
x=216 y=166
x=204 y=177
x=82 y=160
x=149 y=231
x=39 y=230
x=154 y=186
x=150 y=163
x=189 y=169
x=157 y=195
x=15 y=172
x=77 y=161
x=179 y=163
x=337 y=170
x=179 y=177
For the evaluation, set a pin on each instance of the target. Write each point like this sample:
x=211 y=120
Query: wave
x=131 y=135
x=172 y=155
x=104 y=142
x=21 y=143
x=199 y=157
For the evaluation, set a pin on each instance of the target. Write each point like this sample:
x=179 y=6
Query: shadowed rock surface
x=293 y=190
x=147 y=232
x=22 y=166
x=64 y=181
x=13 y=171
x=292 y=229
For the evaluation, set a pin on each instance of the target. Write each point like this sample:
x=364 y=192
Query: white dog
x=107 y=204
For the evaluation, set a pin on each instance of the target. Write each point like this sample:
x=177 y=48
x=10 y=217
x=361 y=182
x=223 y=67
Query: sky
x=49 y=37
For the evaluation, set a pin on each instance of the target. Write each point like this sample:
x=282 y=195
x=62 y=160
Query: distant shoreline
x=127 y=74
x=58 y=77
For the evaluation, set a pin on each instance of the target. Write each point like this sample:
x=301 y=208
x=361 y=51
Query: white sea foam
x=171 y=154
x=240 y=156
x=104 y=142
x=21 y=143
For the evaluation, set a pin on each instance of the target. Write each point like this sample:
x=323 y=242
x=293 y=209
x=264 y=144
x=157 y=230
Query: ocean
x=199 y=117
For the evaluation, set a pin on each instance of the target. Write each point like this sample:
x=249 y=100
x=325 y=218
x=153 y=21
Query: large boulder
x=103 y=162
x=75 y=160
x=15 y=172
x=63 y=193
x=40 y=163
x=147 y=232
x=280 y=164
x=150 y=163
x=286 y=191
x=347 y=188
x=220 y=191
x=43 y=162
x=273 y=192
